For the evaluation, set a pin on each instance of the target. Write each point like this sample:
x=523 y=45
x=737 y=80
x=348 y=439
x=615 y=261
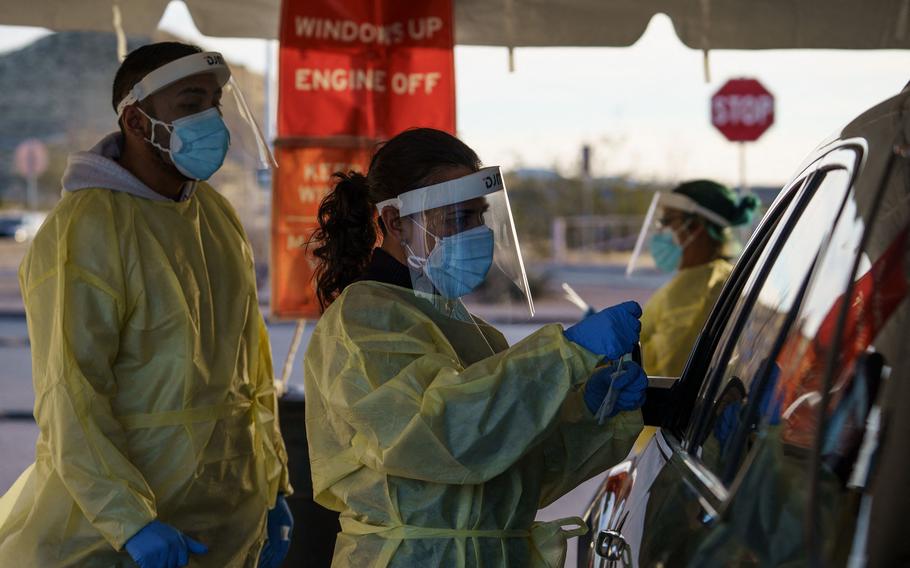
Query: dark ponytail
x=346 y=235
x=347 y=215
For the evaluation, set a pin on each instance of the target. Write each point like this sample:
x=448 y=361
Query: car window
x=800 y=363
x=676 y=420
x=768 y=297
x=721 y=325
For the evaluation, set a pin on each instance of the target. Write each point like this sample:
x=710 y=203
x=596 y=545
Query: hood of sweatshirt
x=99 y=168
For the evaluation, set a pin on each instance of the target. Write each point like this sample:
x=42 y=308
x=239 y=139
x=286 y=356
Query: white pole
x=292 y=354
x=559 y=239
x=32 y=193
x=743 y=188
x=745 y=231
x=268 y=106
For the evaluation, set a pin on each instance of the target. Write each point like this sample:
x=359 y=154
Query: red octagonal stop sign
x=742 y=110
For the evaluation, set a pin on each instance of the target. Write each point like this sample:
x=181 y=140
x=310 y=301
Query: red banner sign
x=301 y=182
x=368 y=68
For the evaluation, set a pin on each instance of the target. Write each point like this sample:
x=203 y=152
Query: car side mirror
x=657 y=397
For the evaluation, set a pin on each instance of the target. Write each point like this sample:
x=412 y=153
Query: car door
x=680 y=483
x=799 y=462
x=867 y=462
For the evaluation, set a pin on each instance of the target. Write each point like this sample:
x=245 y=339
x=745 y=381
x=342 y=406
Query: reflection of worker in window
x=723 y=449
x=730 y=405
x=690 y=235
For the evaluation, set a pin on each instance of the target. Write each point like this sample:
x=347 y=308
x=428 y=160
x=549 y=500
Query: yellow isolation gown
x=438 y=452
x=676 y=314
x=153 y=385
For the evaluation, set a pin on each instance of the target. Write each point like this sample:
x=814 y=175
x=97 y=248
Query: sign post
x=742 y=109
x=31 y=161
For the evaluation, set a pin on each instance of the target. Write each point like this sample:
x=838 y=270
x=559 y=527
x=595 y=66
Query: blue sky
x=644 y=108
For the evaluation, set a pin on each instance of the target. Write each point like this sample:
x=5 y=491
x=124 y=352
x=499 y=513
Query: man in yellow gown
x=159 y=442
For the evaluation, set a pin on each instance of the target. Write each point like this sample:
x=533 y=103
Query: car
x=29 y=226
x=9 y=224
x=783 y=442
x=21 y=226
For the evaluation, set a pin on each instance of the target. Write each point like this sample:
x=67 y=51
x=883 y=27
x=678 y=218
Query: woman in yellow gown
x=436 y=440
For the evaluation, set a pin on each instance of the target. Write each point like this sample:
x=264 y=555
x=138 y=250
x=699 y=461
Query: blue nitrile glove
x=158 y=545
x=611 y=332
x=764 y=405
x=279 y=526
x=726 y=423
x=728 y=419
x=629 y=387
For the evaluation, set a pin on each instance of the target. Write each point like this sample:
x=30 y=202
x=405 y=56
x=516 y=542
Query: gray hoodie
x=98 y=168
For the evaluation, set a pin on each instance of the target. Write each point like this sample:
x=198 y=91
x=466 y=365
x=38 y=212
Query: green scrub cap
x=721 y=200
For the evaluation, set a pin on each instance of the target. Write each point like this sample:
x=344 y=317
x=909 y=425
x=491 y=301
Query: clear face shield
x=200 y=142
x=670 y=226
x=462 y=247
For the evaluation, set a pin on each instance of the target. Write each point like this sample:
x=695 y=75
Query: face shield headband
x=170 y=73
x=689 y=205
x=471 y=186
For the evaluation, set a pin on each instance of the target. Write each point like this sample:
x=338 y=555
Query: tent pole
x=118 y=30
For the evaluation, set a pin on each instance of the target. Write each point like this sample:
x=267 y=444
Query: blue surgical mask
x=460 y=263
x=666 y=252
x=198 y=145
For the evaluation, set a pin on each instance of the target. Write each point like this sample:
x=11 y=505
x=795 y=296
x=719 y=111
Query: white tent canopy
x=700 y=24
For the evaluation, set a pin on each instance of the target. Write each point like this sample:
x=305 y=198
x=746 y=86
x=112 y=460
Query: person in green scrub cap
x=695 y=240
